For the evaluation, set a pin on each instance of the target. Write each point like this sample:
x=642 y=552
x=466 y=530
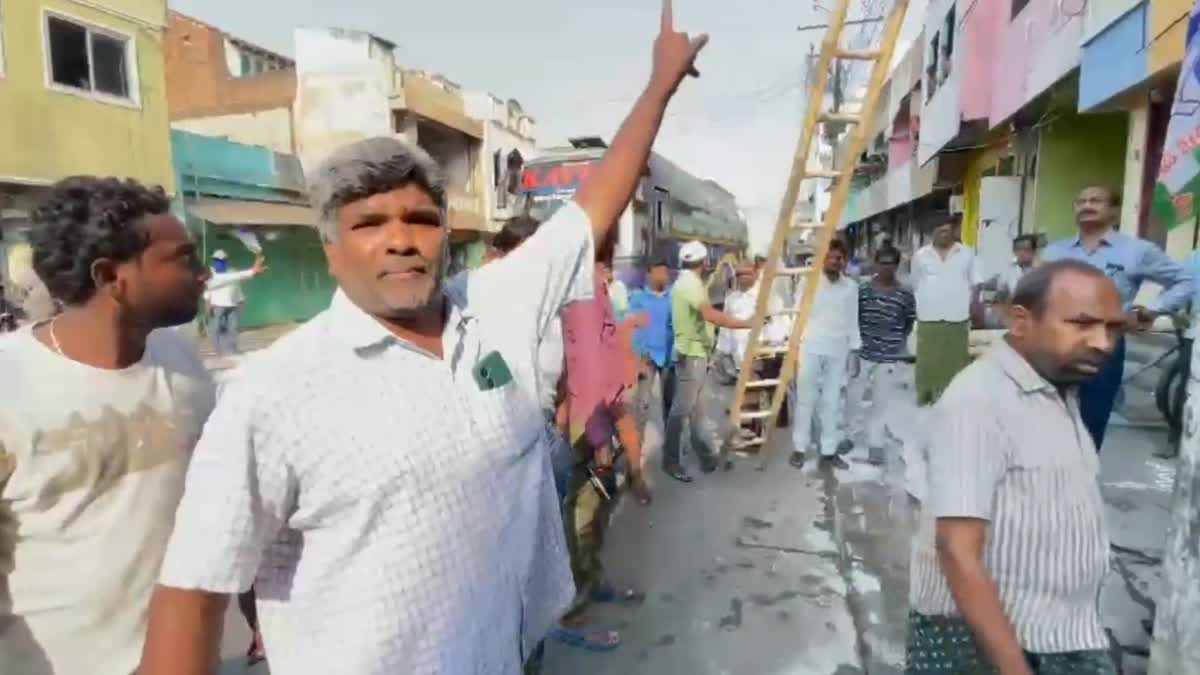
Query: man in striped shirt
x=886 y=314
x=1012 y=547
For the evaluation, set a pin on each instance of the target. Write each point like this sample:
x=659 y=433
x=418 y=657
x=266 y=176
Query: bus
x=670 y=207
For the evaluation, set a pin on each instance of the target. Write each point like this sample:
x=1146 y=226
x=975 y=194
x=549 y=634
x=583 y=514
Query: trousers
x=1098 y=396
x=225 y=330
x=877 y=396
x=819 y=387
x=691 y=373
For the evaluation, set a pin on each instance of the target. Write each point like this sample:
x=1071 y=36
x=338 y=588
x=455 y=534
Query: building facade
x=81 y=92
x=245 y=200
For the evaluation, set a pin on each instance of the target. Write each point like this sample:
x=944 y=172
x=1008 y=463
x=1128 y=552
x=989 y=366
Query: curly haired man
x=102 y=411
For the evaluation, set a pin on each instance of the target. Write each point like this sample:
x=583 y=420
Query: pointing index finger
x=668 y=17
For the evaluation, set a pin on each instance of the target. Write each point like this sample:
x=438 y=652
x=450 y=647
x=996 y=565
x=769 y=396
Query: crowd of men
x=375 y=538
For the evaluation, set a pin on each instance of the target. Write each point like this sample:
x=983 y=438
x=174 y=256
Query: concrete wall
x=47 y=132
x=1114 y=60
x=344 y=90
x=1100 y=14
x=271 y=129
x=1036 y=49
x=1073 y=152
x=982 y=23
x=1167 y=28
x=199 y=80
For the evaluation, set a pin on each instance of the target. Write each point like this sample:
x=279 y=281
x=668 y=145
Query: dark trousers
x=1098 y=396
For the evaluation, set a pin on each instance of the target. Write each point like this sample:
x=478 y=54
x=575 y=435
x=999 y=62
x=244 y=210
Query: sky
x=577 y=65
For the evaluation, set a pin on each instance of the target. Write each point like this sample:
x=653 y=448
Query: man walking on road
x=830 y=347
x=1128 y=262
x=691 y=313
x=655 y=341
x=886 y=314
x=103 y=405
x=225 y=300
x=945 y=278
x=381 y=474
x=1012 y=547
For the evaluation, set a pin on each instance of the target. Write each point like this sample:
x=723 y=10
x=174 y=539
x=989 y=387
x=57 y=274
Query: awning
x=241 y=213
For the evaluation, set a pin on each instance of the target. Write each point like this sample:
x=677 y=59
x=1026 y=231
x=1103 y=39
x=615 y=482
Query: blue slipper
x=593 y=642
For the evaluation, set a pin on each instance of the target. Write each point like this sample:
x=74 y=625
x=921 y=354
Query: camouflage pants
x=585 y=514
x=944 y=645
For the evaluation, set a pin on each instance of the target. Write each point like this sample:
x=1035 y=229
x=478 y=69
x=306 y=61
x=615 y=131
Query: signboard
x=1179 y=172
x=543 y=181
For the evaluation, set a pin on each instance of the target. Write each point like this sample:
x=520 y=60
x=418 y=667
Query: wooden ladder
x=816 y=116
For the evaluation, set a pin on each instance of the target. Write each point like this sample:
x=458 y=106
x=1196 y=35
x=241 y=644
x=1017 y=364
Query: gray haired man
x=382 y=474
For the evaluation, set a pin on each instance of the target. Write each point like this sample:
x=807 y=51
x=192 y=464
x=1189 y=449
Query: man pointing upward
x=381 y=539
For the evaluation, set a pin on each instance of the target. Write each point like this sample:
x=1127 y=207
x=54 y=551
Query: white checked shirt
x=393 y=517
x=943 y=285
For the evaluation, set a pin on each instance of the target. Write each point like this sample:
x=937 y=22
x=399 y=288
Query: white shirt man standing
x=381 y=475
x=830 y=346
x=945 y=277
x=225 y=299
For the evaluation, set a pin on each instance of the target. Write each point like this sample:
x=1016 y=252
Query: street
x=806 y=571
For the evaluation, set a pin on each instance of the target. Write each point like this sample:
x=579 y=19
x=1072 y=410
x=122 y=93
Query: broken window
x=87 y=59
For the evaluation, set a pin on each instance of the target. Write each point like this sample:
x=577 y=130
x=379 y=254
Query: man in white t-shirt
x=945 y=279
x=225 y=300
x=101 y=415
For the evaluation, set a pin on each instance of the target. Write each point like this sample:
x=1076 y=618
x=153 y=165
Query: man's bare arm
x=722 y=320
x=606 y=192
x=184 y=637
x=960 y=543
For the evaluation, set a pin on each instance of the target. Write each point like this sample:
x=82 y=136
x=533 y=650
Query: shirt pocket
x=506 y=420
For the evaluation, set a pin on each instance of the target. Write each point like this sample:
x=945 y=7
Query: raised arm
x=608 y=190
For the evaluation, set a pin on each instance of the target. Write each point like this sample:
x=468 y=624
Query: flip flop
x=598 y=641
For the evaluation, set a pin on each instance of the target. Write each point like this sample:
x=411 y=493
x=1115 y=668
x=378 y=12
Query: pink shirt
x=600 y=365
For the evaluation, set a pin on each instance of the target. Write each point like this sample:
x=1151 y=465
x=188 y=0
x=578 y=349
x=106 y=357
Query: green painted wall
x=296 y=285
x=1076 y=150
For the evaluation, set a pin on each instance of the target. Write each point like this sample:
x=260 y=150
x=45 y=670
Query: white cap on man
x=219 y=254
x=693 y=252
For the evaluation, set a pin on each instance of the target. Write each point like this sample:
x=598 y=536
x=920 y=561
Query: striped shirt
x=1007 y=448
x=885 y=317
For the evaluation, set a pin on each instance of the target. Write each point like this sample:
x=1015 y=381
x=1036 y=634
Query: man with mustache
x=1128 y=262
x=382 y=474
x=1011 y=547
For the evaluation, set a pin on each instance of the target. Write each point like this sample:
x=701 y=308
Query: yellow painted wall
x=1168 y=32
x=47 y=134
x=980 y=161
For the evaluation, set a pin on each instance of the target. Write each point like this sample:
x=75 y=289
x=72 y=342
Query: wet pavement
x=806 y=571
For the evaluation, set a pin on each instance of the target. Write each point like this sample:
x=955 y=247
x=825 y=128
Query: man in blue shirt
x=1128 y=262
x=654 y=342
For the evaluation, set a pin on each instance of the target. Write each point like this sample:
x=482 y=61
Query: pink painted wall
x=901 y=147
x=1035 y=50
x=983 y=21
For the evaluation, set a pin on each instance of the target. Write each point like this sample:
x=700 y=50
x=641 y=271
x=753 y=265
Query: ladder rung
x=856 y=54
x=754 y=414
x=772 y=351
x=784 y=312
x=846 y=118
x=793 y=271
x=762 y=384
x=741 y=443
x=823 y=173
x=807 y=225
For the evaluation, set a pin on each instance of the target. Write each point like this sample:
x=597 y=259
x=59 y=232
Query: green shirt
x=692 y=337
